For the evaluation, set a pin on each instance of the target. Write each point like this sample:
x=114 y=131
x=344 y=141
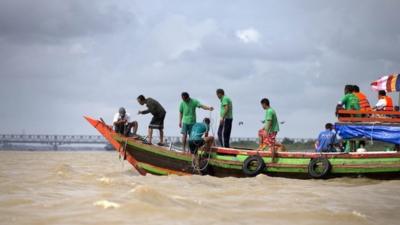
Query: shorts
x=194 y=145
x=186 y=128
x=267 y=139
x=157 y=122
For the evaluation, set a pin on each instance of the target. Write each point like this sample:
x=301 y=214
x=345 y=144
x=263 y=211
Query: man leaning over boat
x=196 y=139
x=157 y=122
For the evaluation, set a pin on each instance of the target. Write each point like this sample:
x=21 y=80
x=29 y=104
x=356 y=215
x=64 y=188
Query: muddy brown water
x=97 y=188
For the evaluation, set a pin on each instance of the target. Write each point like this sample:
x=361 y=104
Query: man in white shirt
x=385 y=102
x=122 y=123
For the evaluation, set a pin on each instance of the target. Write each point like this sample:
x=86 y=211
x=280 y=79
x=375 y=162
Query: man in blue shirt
x=326 y=140
x=196 y=139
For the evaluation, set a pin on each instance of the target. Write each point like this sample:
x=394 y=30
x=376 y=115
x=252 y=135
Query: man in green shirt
x=225 y=125
x=349 y=100
x=268 y=133
x=187 y=115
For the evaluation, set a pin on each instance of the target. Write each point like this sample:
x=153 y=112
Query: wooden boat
x=224 y=162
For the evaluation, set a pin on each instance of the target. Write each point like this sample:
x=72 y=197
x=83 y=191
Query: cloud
x=62 y=60
x=249 y=35
x=48 y=21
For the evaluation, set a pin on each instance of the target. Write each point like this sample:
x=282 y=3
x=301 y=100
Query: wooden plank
x=368 y=112
x=369 y=116
x=369 y=119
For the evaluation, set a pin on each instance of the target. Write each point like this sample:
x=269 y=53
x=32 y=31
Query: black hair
x=356 y=88
x=141 y=98
x=265 y=101
x=349 y=88
x=329 y=126
x=185 y=95
x=382 y=92
x=220 y=91
x=207 y=121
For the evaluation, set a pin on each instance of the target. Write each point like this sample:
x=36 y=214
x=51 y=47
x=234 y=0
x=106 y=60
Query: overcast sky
x=60 y=60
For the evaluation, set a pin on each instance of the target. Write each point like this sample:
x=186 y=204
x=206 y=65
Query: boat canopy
x=389 y=133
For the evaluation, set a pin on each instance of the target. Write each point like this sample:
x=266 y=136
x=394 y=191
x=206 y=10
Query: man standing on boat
x=122 y=123
x=225 y=124
x=196 y=139
x=267 y=134
x=157 y=122
x=187 y=115
x=326 y=140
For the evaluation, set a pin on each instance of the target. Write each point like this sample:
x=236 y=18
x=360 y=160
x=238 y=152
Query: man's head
x=207 y=121
x=122 y=111
x=141 y=99
x=185 y=96
x=328 y=126
x=356 y=89
x=220 y=93
x=348 y=89
x=381 y=93
x=265 y=103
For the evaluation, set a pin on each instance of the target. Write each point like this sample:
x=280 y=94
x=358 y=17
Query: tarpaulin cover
x=389 y=134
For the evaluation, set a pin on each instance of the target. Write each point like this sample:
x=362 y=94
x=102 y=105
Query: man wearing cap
x=122 y=123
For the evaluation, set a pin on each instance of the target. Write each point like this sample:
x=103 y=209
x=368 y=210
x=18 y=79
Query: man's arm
x=180 y=119
x=206 y=107
x=380 y=104
x=268 y=124
x=226 y=108
x=144 y=112
x=118 y=120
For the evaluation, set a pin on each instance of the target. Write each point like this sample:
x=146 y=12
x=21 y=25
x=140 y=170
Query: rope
x=197 y=167
x=124 y=150
x=211 y=126
x=372 y=131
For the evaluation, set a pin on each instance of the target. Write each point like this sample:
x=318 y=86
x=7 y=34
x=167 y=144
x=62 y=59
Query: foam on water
x=105 y=180
x=107 y=204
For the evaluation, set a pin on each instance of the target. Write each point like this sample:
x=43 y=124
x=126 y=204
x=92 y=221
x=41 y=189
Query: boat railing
x=368 y=116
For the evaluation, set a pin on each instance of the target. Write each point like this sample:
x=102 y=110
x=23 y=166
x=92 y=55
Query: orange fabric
x=267 y=139
x=363 y=101
x=389 y=103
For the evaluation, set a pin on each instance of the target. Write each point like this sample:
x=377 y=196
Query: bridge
x=53 y=140
x=56 y=140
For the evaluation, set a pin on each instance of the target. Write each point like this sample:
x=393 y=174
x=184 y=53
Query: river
x=79 y=187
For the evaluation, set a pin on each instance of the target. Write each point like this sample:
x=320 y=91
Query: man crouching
x=196 y=139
